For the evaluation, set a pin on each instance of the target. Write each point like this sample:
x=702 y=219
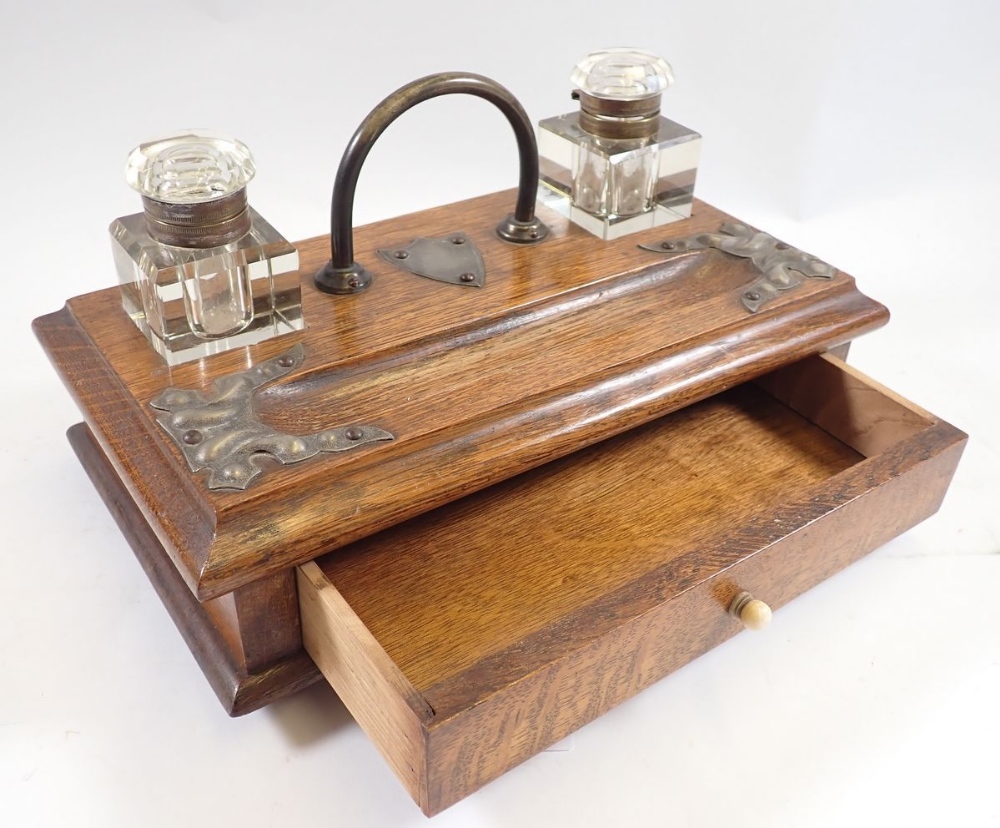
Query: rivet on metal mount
x=454 y=259
x=220 y=431
x=343 y=280
x=781 y=265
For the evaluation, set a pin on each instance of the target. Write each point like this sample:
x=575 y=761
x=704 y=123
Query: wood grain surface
x=395 y=713
x=248 y=645
x=525 y=553
x=570 y=342
x=522 y=612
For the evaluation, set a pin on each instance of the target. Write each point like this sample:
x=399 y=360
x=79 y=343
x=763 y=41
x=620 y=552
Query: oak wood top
x=570 y=342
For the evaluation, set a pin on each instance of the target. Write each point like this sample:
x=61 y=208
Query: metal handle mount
x=342 y=274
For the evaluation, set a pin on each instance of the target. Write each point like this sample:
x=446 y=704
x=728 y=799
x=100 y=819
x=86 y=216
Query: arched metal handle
x=342 y=274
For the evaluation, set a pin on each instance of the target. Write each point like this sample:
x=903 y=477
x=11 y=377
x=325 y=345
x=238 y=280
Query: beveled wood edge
x=238 y=690
x=535 y=431
x=388 y=707
x=61 y=330
x=505 y=668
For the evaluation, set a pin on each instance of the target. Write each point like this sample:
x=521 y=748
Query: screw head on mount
x=342 y=280
x=522 y=232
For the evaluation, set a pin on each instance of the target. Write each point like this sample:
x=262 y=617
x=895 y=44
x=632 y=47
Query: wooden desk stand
x=592 y=456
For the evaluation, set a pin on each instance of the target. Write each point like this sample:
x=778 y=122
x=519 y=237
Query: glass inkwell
x=617 y=165
x=200 y=270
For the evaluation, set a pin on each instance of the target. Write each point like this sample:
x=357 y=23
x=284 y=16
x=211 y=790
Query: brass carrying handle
x=342 y=274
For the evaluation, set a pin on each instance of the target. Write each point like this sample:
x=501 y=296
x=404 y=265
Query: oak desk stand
x=593 y=455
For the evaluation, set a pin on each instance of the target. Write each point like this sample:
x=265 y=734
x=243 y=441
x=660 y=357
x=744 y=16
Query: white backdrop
x=863 y=132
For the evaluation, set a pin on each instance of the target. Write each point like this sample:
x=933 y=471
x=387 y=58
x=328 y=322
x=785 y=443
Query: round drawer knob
x=753 y=613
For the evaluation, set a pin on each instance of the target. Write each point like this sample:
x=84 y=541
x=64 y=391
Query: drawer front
x=452 y=703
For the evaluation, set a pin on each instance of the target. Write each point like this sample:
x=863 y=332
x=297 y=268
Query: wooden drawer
x=468 y=639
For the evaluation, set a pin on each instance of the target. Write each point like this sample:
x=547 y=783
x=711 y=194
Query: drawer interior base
x=517 y=558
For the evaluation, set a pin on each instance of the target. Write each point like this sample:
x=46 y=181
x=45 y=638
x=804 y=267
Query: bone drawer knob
x=753 y=613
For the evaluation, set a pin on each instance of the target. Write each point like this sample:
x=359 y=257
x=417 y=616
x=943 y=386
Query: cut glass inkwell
x=200 y=270
x=617 y=165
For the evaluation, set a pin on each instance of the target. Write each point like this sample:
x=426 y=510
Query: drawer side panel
x=378 y=695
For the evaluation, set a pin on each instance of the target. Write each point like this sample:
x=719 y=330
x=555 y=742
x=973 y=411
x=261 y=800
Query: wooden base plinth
x=240 y=688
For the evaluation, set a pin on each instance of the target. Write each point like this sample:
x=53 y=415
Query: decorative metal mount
x=781 y=265
x=454 y=259
x=220 y=431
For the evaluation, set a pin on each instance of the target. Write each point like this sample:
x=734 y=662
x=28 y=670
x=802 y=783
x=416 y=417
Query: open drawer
x=468 y=639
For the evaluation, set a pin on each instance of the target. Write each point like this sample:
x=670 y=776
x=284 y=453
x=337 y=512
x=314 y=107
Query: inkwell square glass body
x=192 y=289
x=617 y=165
x=616 y=187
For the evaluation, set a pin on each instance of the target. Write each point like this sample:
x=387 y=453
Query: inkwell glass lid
x=190 y=168
x=622 y=74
